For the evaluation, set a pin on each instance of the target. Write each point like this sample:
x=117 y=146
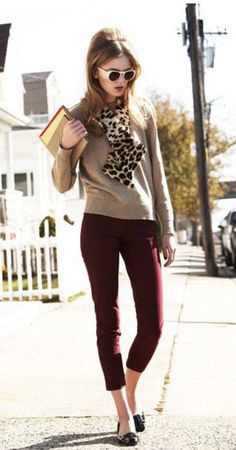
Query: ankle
x=133 y=406
x=124 y=417
x=126 y=425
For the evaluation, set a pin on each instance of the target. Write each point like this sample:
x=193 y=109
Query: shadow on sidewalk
x=193 y=274
x=189 y=257
x=224 y=272
x=72 y=440
x=194 y=265
x=227 y=272
x=183 y=266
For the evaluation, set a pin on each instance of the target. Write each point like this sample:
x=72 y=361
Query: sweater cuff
x=64 y=154
x=168 y=229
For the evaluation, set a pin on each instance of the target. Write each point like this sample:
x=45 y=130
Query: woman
x=125 y=185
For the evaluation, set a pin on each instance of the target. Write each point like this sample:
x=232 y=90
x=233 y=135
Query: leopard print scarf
x=125 y=152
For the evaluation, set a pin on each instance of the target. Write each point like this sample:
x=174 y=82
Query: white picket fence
x=33 y=267
x=28 y=267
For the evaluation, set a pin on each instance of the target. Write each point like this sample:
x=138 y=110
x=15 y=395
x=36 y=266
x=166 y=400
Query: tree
x=176 y=134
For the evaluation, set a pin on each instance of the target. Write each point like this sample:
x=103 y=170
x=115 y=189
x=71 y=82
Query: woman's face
x=113 y=89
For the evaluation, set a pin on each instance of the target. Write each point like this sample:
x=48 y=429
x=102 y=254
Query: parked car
x=228 y=237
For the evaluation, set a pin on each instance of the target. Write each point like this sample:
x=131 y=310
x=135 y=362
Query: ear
x=95 y=73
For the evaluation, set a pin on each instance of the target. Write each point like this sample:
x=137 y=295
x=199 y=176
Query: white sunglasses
x=114 y=75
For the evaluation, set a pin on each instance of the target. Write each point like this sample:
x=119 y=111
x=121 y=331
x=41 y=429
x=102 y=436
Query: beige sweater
x=109 y=197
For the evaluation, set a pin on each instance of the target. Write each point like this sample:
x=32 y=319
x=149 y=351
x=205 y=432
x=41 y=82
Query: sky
x=55 y=34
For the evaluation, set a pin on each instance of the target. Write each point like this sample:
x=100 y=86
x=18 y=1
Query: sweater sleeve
x=163 y=205
x=63 y=175
x=64 y=167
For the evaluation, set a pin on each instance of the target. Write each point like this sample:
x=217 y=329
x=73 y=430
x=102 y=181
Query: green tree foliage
x=176 y=134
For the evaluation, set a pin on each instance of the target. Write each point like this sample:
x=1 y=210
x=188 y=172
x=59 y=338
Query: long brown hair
x=105 y=45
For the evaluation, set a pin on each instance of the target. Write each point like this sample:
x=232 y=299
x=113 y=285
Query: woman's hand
x=73 y=132
x=168 y=248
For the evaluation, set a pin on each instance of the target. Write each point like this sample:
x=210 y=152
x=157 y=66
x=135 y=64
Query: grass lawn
x=44 y=298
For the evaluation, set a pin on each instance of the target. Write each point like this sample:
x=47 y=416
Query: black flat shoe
x=139 y=421
x=128 y=439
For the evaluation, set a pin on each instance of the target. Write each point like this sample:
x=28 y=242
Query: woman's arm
x=162 y=197
x=63 y=174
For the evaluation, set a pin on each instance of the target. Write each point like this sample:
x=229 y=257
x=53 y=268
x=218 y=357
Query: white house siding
x=27 y=159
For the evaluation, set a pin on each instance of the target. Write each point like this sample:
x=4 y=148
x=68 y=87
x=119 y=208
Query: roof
x=11 y=119
x=30 y=77
x=4 y=35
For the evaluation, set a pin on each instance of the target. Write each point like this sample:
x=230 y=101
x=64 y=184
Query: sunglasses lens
x=129 y=75
x=113 y=76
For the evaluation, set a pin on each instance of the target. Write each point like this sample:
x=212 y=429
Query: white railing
x=28 y=268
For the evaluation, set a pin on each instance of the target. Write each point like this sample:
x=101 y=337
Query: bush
x=51 y=226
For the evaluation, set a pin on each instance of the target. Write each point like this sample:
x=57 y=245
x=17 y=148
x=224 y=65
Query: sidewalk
x=52 y=392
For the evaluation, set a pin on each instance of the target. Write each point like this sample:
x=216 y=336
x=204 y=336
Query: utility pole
x=196 y=35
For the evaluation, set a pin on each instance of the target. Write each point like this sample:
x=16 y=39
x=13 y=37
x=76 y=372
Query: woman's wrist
x=63 y=147
x=169 y=233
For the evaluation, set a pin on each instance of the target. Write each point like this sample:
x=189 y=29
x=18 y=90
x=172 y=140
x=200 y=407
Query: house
x=32 y=163
x=42 y=96
x=26 y=190
x=11 y=115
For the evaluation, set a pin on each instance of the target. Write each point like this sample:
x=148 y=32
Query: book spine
x=55 y=115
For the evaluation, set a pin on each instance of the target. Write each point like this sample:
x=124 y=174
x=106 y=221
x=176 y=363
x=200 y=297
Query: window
x=31 y=183
x=21 y=182
x=4 y=181
x=3 y=218
x=24 y=182
x=233 y=219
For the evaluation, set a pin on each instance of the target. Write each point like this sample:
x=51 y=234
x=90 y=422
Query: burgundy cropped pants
x=102 y=239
